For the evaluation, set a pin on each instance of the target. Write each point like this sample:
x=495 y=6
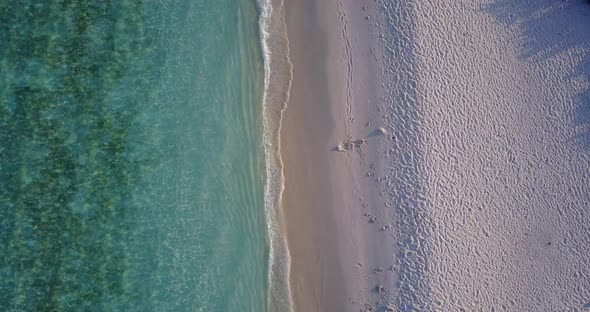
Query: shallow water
x=131 y=165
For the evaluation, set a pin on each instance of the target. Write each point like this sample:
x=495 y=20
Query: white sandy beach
x=507 y=162
x=480 y=186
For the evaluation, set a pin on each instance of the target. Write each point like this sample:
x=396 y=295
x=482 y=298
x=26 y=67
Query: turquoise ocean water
x=132 y=169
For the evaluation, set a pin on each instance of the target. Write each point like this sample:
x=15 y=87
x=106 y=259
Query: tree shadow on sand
x=552 y=29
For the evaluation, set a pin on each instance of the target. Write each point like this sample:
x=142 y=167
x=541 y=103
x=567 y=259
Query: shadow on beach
x=551 y=29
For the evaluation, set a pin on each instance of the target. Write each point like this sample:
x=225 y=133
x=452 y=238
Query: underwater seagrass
x=66 y=165
x=131 y=160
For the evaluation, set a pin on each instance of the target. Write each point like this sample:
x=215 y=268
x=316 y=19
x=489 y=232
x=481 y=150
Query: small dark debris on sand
x=368 y=308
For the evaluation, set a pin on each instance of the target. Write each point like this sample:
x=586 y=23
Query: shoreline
x=278 y=69
x=303 y=190
x=333 y=244
x=316 y=278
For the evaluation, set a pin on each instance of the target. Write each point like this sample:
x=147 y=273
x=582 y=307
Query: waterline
x=278 y=69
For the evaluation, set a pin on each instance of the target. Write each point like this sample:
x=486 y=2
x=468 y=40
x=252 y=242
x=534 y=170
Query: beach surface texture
x=436 y=155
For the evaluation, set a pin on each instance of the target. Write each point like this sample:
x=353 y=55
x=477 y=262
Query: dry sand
x=481 y=184
x=503 y=90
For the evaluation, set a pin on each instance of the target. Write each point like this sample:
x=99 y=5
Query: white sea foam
x=278 y=69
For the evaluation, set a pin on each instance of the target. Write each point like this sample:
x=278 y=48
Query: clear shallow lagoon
x=131 y=163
